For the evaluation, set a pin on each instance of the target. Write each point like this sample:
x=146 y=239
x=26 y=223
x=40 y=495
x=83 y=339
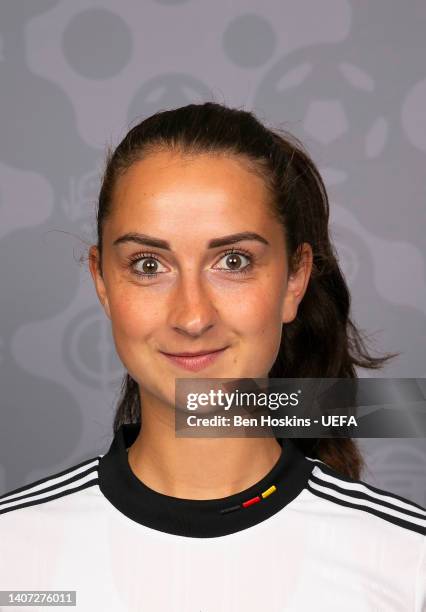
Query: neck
x=197 y=468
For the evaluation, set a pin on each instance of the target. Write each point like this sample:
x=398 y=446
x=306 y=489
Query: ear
x=94 y=261
x=297 y=284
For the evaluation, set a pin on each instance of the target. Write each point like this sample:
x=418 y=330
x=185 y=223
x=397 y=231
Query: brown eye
x=234 y=262
x=149 y=265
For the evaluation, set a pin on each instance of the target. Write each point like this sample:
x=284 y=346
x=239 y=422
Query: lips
x=196 y=361
x=208 y=352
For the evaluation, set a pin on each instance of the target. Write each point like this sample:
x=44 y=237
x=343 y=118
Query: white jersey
x=303 y=538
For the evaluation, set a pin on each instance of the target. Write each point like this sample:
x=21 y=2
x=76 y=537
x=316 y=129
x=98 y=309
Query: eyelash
x=139 y=256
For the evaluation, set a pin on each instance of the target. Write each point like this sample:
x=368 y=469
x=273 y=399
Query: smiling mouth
x=197 y=354
x=196 y=361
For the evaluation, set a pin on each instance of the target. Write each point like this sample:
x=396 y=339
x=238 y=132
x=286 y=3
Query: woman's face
x=194 y=296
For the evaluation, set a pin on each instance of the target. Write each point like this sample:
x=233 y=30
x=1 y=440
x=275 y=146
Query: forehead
x=181 y=187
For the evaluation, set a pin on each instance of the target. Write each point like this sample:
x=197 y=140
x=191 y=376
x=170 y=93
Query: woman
x=213 y=238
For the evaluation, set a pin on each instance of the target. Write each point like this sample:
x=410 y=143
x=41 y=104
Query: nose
x=192 y=311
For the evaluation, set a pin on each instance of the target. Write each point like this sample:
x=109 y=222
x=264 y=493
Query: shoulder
x=328 y=484
x=68 y=482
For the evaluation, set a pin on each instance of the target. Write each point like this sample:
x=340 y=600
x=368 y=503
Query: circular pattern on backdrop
x=97 y=43
x=89 y=351
x=329 y=103
x=249 y=41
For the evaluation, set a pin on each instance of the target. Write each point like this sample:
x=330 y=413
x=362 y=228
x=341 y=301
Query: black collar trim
x=199 y=518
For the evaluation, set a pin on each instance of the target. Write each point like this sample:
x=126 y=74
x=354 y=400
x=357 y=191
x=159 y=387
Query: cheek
x=257 y=314
x=133 y=322
x=132 y=317
x=257 y=321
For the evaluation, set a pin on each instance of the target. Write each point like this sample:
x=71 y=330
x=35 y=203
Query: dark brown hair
x=322 y=341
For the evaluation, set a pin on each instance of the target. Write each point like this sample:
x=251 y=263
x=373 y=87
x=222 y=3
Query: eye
x=148 y=263
x=233 y=258
x=148 y=268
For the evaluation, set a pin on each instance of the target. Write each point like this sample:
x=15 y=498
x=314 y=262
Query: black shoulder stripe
x=49 y=477
x=47 y=489
x=35 y=502
x=362 y=495
x=345 y=479
x=388 y=517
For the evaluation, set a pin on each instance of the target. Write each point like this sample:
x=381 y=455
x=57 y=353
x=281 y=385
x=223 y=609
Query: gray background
x=347 y=78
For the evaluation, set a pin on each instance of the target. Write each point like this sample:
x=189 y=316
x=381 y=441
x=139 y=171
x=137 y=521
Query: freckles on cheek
x=132 y=317
x=254 y=314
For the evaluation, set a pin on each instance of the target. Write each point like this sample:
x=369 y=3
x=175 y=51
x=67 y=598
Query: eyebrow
x=144 y=239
